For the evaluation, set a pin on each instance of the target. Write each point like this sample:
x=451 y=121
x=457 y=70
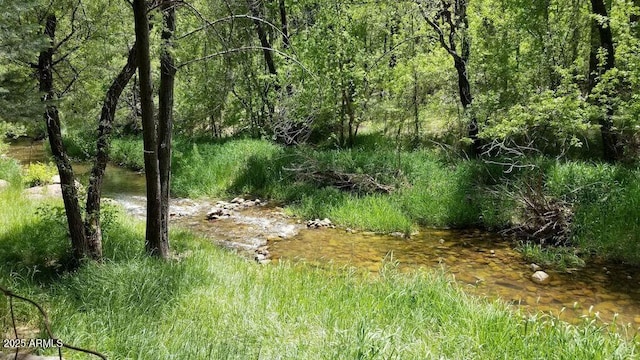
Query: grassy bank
x=213 y=304
x=428 y=188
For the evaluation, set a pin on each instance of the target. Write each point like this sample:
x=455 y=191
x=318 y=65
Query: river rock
x=237 y=200
x=317 y=223
x=540 y=277
x=4 y=184
x=44 y=191
x=535 y=267
x=218 y=213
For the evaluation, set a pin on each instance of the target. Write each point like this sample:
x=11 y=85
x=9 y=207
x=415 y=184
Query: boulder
x=55 y=179
x=47 y=191
x=540 y=277
x=237 y=200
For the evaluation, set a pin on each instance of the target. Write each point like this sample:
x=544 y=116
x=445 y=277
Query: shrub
x=39 y=174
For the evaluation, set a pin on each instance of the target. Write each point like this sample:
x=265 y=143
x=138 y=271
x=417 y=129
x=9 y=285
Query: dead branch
x=310 y=171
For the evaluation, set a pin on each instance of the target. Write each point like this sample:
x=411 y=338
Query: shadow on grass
x=36 y=250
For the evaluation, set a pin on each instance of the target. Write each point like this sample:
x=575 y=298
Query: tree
x=92 y=226
x=154 y=242
x=604 y=47
x=165 y=114
x=45 y=65
x=449 y=20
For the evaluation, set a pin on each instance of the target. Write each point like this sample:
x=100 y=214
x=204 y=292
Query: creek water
x=483 y=263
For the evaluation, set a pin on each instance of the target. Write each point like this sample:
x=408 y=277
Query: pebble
x=535 y=267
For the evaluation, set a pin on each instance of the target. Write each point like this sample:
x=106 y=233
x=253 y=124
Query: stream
x=483 y=263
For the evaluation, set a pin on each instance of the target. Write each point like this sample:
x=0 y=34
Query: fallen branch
x=346 y=181
x=47 y=323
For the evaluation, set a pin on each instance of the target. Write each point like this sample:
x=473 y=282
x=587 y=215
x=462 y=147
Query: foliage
x=37 y=174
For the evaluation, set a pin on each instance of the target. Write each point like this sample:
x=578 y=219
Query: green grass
x=212 y=304
x=561 y=258
x=430 y=189
x=10 y=171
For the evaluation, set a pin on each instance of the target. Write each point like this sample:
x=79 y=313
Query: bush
x=38 y=174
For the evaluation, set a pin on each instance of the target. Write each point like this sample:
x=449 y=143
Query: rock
x=257 y=201
x=540 y=277
x=55 y=179
x=249 y=203
x=237 y=200
x=397 y=234
x=218 y=213
x=4 y=184
x=535 y=267
x=45 y=191
x=260 y=257
x=317 y=223
x=441 y=241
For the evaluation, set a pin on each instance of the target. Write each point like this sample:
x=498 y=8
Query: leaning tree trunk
x=611 y=147
x=153 y=239
x=92 y=227
x=52 y=120
x=165 y=116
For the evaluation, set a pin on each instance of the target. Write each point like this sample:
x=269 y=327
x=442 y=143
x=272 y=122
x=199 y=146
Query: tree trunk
x=611 y=148
x=63 y=163
x=153 y=239
x=92 y=227
x=264 y=41
x=464 y=89
x=165 y=115
x=285 y=35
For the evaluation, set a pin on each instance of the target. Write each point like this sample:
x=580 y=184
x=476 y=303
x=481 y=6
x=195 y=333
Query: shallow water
x=118 y=181
x=483 y=263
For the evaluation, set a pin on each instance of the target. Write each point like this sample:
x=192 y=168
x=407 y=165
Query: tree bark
x=92 y=229
x=611 y=147
x=153 y=238
x=165 y=115
x=264 y=41
x=63 y=163
x=285 y=35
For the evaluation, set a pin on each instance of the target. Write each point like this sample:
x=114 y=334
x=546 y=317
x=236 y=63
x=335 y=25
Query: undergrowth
x=212 y=304
x=428 y=188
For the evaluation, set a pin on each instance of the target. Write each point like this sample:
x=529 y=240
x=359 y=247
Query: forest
x=309 y=179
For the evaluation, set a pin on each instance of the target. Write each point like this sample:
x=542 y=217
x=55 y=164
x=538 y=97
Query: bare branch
x=47 y=323
x=245 y=48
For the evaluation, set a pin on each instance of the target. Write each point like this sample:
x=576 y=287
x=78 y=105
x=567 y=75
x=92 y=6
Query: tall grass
x=211 y=304
x=429 y=189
